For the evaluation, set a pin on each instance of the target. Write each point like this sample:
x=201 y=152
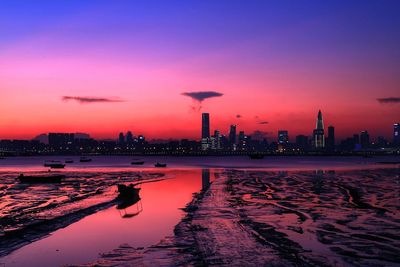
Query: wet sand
x=262 y=218
x=29 y=212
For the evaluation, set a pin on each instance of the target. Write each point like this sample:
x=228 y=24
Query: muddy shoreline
x=23 y=221
x=247 y=218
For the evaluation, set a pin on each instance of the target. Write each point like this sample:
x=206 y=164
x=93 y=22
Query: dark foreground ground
x=258 y=218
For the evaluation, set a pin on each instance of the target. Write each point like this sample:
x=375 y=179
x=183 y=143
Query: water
x=83 y=241
x=116 y=163
x=81 y=237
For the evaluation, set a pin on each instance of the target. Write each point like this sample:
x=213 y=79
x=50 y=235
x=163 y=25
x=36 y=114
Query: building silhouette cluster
x=233 y=143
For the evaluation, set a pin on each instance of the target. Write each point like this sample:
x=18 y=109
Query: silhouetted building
x=216 y=141
x=232 y=136
x=330 y=140
x=129 y=138
x=283 y=137
x=396 y=134
x=318 y=134
x=364 y=139
x=205 y=125
x=121 y=139
x=242 y=139
x=205 y=131
x=61 y=141
x=302 y=142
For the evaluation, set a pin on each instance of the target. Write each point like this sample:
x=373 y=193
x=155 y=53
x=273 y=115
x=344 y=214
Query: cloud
x=238 y=116
x=389 y=100
x=263 y=122
x=202 y=95
x=87 y=100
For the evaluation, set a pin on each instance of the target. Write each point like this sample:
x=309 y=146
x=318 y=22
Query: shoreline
x=227 y=225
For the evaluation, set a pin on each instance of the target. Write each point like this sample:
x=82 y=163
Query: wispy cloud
x=263 y=122
x=202 y=95
x=389 y=100
x=88 y=99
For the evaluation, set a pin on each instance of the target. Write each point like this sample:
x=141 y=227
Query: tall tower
x=330 y=141
x=396 y=134
x=205 y=125
x=232 y=135
x=319 y=137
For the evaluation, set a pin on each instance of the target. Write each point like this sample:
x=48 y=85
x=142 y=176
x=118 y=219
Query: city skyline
x=69 y=66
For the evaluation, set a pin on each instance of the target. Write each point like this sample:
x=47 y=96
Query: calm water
x=83 y=241
x=110 y=163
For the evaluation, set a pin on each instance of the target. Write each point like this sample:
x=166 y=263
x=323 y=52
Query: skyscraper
x=121 y=139
x=129 y=138
x=283 y=137
x=364 y=139
x=205 y=125
x=330 y=140
x=232 y=135
x=319 y=136
x=396 y=134
x=205 y=131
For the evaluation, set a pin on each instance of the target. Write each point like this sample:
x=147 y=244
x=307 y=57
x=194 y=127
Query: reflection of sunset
x=107 y=230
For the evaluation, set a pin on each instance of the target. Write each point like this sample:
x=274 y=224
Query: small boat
x=69 y=161
x=54 y=164
x=40 y=178
x=256 y=156
x=137 y=162
x=160 y=165
x=85 y=159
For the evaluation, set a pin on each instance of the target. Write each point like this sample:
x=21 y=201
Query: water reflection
x=205 y=179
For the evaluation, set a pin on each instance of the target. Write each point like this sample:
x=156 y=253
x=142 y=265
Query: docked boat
x=85 y=159
x=54 y=164
x=40 y=178
x=69 y=161
x=256 y=156
x=160 y=165
x=137 y=162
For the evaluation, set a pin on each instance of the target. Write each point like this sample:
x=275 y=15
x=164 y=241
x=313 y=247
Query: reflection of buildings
x=318 y=134
x=205 y=179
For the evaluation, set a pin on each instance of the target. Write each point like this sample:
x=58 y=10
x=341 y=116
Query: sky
x=152 y=67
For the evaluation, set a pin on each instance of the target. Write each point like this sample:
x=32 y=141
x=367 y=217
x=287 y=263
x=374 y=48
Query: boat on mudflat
x=56 y=178
x=85 y=159
x=137 y=162
x=160 y=165
x=69 y=161
x=54 y=164
x=256 y=156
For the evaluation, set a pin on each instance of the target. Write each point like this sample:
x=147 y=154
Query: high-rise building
x=396 y=134
x=364 y=139
x=205 y=131
x=330 y=140
x=216 y=141
x=205 y=125
x=283 y=137
x=302 y=142
x=61 y=141
x=319 y=136
x=129 y=138
x=242 y=141
x=232 y=135
x=121 y=138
